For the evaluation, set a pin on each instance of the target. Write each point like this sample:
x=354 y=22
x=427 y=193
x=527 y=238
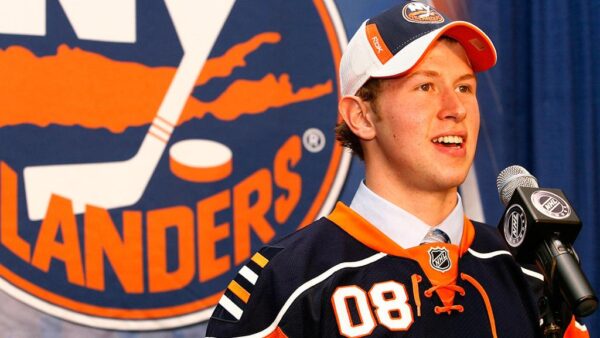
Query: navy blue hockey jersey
x=341 y=277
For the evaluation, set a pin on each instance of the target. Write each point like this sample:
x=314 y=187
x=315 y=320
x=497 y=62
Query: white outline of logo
x=515 y=225
x=564 y=212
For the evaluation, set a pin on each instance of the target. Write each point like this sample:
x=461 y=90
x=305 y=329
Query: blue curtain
x=541 y=107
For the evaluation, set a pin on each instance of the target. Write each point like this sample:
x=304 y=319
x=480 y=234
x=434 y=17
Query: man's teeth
x=449 y=140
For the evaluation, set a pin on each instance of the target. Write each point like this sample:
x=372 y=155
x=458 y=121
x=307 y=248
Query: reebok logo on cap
x=417 y=12
x=379 y=47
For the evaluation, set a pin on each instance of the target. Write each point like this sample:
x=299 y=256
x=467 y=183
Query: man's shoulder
x=308 y=234
x=283 y=270
x=487 y=238
x=315 y=248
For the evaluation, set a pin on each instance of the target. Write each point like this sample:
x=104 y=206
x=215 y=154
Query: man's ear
x=358 y=116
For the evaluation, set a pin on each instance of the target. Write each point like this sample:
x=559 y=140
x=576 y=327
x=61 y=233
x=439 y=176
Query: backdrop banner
x=148 y=148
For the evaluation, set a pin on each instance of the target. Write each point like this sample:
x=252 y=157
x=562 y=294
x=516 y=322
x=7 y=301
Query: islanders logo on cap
x=418 y=12
x=148 y=149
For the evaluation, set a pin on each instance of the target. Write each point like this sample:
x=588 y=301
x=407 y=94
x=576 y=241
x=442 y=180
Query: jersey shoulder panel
x=487 y=238
x=277 y=274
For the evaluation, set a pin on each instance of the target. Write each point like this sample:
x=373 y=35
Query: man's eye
x=464 y=89
x=425 y=87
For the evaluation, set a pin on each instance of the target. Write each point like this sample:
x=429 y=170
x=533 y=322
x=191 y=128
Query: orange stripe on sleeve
x=260 y=260
x=239 y=291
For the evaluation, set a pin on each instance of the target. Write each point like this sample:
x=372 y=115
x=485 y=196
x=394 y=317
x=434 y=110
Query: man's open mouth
x=449 y=141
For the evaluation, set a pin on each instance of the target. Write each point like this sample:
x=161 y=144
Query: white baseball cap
x=393 y=42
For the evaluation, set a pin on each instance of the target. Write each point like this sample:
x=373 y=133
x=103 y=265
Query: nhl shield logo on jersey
x=150 y=147
x=439 y=259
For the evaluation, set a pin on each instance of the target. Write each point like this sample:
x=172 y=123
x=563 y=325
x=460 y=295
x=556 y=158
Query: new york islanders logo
x=149 y=148
x=418 y=12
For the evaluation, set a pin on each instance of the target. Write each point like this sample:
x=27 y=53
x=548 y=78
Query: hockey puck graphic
x=200 y=160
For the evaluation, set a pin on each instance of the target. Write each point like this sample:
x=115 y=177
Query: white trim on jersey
x=533 y=274
x=320 y=278
x=250 y=275
x=488 y=255
x=230 y=306
x=580 y=327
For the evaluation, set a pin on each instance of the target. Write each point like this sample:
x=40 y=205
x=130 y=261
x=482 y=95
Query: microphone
x=540 y=226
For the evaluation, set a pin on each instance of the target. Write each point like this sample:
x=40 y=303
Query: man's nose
x=452 y=107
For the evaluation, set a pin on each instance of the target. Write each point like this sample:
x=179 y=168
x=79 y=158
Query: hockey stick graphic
x=118 y=184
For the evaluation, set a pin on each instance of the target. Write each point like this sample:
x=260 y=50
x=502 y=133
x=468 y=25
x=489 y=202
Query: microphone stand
x=550 y=328
x=563 y=296
x=550 y=304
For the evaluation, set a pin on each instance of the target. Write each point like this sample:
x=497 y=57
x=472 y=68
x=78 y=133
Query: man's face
x=428 y=121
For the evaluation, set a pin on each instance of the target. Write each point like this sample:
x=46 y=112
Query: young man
x=401 y=260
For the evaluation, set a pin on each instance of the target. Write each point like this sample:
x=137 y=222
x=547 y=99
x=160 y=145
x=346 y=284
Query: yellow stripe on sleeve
x=239 y=291
x=260 y=259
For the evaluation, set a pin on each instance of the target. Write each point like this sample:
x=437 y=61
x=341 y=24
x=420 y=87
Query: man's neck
x=432 y=207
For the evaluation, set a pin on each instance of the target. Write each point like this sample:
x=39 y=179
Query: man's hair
x=369 y=93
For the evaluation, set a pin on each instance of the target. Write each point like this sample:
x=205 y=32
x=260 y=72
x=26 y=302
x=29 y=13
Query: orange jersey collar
x=359 y=228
